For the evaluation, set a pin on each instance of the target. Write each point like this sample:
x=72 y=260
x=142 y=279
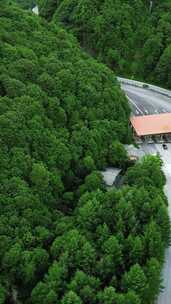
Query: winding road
x=147 y=101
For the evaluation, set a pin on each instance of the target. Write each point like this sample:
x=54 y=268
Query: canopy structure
x=152 y=124
x=109 y=175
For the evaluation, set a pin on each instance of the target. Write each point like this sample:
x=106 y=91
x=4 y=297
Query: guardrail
x=145 y=86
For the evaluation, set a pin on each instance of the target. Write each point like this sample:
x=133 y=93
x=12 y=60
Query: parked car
x=145 y=86
x=165 y=147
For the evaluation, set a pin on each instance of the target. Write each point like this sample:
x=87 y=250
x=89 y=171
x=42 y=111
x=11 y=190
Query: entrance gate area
x=152 y=128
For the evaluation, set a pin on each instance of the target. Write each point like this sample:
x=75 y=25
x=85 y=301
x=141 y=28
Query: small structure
x=146 y=126
x=35 y=10
x=109 y=176
x=133 y=158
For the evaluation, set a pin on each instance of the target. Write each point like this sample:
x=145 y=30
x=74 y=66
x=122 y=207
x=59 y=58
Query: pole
x=151 y=6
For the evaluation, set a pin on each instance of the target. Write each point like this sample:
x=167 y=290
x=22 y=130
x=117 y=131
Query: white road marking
x=137 y=108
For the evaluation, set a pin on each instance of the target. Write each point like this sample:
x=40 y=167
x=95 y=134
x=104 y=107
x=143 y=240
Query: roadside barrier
x=144 y=85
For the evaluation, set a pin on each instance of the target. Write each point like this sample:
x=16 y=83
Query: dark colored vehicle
x=165 y=147
x=145 y=86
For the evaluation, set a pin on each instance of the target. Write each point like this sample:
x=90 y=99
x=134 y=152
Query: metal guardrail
x=145 y=85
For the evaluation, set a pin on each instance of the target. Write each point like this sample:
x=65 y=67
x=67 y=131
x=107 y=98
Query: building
x=35 y=10
x=110 y=175
x=156 y=126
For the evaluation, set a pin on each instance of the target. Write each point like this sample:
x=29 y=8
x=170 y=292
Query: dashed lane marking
x=135 y=105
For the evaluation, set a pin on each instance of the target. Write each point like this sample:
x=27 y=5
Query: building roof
x=152 y=124
x=109 y=175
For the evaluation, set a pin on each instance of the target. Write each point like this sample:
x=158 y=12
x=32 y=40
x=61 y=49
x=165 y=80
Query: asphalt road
x=146 y=102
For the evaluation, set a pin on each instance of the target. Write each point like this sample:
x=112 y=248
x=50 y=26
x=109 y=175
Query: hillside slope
x=126 y=35
x=63 y=117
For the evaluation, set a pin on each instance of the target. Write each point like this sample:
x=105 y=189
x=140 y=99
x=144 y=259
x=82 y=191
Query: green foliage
x=135 y=280
x=40 y=176
x=126 y=35
x=71 y=298
x=2 y=294
x=117 y=154
x=147 y=173
x=63 y=237
x=26 y=4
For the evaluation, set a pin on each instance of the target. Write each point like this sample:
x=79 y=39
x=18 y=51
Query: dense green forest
x=63 y=117
x=26 y=4
x=131 y=37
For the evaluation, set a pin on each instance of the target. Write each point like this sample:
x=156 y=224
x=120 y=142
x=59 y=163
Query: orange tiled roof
x=152 y=124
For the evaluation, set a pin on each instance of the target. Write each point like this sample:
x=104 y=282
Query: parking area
x=163 y=149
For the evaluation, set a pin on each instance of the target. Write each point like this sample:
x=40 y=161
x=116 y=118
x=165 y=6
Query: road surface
x=146 y=102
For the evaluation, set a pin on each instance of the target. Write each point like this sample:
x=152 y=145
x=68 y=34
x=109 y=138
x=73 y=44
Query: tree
x=26 y=3
x=151 y=174
x=153 y=271
x=71 y=298
x=93 y=181
x=33 y=264
x=153 y=242
x=85 y=286
x=89 y=214
x=117 y=154
x=12 y=259
x=135 y=280
x=79 y=252
x=40 y=177
x=112 y=246
x=134 y=250
x=89 y=163
x=2 y=294
x=163 y=68
x=108 y=296
x=131 y=298
x=42 y=294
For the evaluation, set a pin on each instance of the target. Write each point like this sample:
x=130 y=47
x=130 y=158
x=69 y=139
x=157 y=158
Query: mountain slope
x=63 y=117
x=126 y=35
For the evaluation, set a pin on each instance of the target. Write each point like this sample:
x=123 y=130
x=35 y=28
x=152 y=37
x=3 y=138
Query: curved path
x=145 y=102
x=153 y=100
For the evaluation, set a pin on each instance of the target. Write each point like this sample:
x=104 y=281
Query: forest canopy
x=131 y=37
x=26 y=4
x=63 y=117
